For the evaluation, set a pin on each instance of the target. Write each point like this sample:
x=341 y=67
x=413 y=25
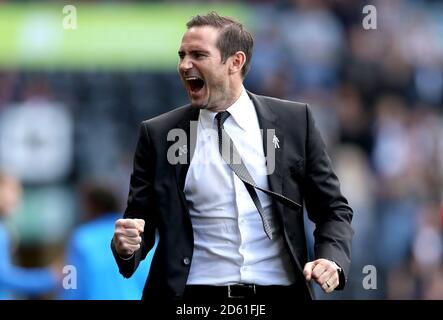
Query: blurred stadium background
x=71 y=101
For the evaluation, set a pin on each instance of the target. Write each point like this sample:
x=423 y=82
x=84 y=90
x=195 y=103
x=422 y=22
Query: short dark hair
x=233 y=36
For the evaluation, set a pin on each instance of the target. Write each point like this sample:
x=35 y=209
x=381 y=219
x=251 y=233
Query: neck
x=236 y=93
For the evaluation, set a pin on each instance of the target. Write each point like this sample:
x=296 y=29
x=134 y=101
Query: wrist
x=338 y=268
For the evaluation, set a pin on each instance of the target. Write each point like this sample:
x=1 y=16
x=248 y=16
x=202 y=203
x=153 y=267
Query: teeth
x=192 y=78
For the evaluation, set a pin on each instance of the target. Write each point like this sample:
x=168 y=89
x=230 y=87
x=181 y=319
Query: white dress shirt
x=230 y=244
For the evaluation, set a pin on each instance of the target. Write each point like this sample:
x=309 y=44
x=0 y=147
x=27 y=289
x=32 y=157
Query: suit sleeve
x=140 y=202
x=325 y=204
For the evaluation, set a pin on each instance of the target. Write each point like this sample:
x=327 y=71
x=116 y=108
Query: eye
x=198 y=55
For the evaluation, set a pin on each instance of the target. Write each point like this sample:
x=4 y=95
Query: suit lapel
x=268 y=123
x=181 y=169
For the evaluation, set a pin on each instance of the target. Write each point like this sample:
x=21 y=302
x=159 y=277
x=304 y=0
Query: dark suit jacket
x=302 y=172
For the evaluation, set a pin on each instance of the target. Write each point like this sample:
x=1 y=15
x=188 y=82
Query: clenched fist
x=324 y=272
x=127 y=237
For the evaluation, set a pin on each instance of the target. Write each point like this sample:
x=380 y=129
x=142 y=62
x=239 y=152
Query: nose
x=185 y=64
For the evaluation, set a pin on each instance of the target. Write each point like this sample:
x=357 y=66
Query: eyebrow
x=182 y=52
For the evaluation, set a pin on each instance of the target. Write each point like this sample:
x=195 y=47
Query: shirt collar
x=207 y=119
x=240 y=111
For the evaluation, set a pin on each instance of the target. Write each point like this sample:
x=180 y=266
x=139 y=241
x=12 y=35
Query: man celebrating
x=232 y=230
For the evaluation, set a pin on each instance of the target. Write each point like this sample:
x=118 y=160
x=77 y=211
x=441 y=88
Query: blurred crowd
x=377 y=97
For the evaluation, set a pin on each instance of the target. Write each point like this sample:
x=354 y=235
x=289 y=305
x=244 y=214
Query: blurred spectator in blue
x=97 y=276
x=17 y=281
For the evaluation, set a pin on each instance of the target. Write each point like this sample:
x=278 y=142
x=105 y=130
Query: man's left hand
x=324 y=272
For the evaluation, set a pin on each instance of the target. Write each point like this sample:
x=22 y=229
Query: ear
x=237 y=61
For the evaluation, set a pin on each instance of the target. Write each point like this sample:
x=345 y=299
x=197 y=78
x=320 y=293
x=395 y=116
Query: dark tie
x=239 y=168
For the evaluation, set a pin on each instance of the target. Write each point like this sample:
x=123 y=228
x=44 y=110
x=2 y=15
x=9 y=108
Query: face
x=207 y=80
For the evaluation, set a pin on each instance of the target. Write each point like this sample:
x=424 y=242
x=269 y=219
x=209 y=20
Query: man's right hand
x=127 y=237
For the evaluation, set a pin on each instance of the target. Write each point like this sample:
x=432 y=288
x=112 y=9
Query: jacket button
x=186 y=261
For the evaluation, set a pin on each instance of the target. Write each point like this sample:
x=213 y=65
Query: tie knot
x=221 y=117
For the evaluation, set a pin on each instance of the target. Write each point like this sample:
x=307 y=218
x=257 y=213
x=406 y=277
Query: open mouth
x=195 y=84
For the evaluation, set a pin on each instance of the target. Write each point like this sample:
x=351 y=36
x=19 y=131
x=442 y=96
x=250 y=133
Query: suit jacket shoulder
x=170 y=119
x=281 y=102
x=280 y=109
